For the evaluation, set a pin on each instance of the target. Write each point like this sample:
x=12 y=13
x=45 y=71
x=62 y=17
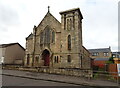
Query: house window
x=95 y=54
x=114 y=55
x=69 y=42
x=105 y=53
x=69 y=59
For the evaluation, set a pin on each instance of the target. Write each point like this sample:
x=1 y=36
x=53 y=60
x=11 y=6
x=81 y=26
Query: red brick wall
x=113 y=68
x=99 y=63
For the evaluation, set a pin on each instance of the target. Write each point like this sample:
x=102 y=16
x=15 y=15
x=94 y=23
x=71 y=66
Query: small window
x=114 y=55
x=69 y=42
x=106 y=54
x=70 y=24
x=69 y=58
x=28 y=58
x=95 y=54
x=57 y=59
x=67 y=24
x=37 y=58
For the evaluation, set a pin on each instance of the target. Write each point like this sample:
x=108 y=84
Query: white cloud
x=99 y=23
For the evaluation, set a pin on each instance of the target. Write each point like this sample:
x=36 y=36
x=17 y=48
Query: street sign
x=118 y=68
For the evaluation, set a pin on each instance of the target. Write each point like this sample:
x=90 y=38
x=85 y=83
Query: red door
x=46 y=60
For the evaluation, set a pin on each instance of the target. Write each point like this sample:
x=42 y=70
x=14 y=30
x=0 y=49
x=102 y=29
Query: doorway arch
x=46 y=57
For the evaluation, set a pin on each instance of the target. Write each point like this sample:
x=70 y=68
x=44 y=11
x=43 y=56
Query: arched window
x=70 y=24
x=57 y=59
x=53 y=36
x=69 y=58
x=47 y=36
x=67 y=24
x=41 y=38
x=28 y=59
x=69 y=42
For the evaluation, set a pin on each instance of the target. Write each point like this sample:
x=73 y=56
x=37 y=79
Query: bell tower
x=71 y=34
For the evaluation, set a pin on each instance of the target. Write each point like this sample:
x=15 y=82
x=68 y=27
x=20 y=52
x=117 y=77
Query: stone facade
x=58 y=45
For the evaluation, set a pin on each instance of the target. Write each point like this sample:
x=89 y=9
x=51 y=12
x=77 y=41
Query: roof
x=30 y=36
x=10 y=44
x=6 y=45
x=70 y=10
x=86 y=49
x=101 y=59
x=100 y=50
x=115 y=52
x=48 y=14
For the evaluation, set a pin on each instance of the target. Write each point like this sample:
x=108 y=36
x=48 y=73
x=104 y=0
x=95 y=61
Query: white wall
x=2 y=54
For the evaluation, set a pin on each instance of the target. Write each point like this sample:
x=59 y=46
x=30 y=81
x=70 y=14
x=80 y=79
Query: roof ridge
x=99 y=48
x=44 y=18
x=9 y=44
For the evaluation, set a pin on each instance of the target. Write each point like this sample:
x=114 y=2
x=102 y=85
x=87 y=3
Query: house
x=12 y=53
x=100 y=56
x=58 y=44
x=116 y=57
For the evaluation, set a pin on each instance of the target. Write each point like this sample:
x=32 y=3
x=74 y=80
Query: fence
x=107 y=76
x=108 y=72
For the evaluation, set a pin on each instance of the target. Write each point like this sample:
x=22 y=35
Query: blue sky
x=100 y=19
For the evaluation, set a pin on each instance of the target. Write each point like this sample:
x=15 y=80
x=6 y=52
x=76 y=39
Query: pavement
x=60 y=78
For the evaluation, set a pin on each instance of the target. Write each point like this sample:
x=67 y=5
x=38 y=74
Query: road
x=25 y=78
x=18 y=81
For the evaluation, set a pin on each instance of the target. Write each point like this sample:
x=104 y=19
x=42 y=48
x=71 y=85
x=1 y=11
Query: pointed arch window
x=70 y=24
x=53 y=36
x=41 y=37
x=69 y=42
x=67 y=24
x=47 y=36
x=57 y=59
x=28 y=59
x=69 y=59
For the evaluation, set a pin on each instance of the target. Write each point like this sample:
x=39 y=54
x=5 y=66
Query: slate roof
x=101 y=59
x=115 y=52
x=99 y=50
x=10 y=44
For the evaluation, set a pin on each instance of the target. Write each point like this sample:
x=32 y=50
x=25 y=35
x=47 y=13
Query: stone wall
x=61 y=71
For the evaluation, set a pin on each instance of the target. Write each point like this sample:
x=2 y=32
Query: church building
x=57 y=44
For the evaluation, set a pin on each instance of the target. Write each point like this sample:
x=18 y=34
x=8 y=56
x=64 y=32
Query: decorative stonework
x=62 y=40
